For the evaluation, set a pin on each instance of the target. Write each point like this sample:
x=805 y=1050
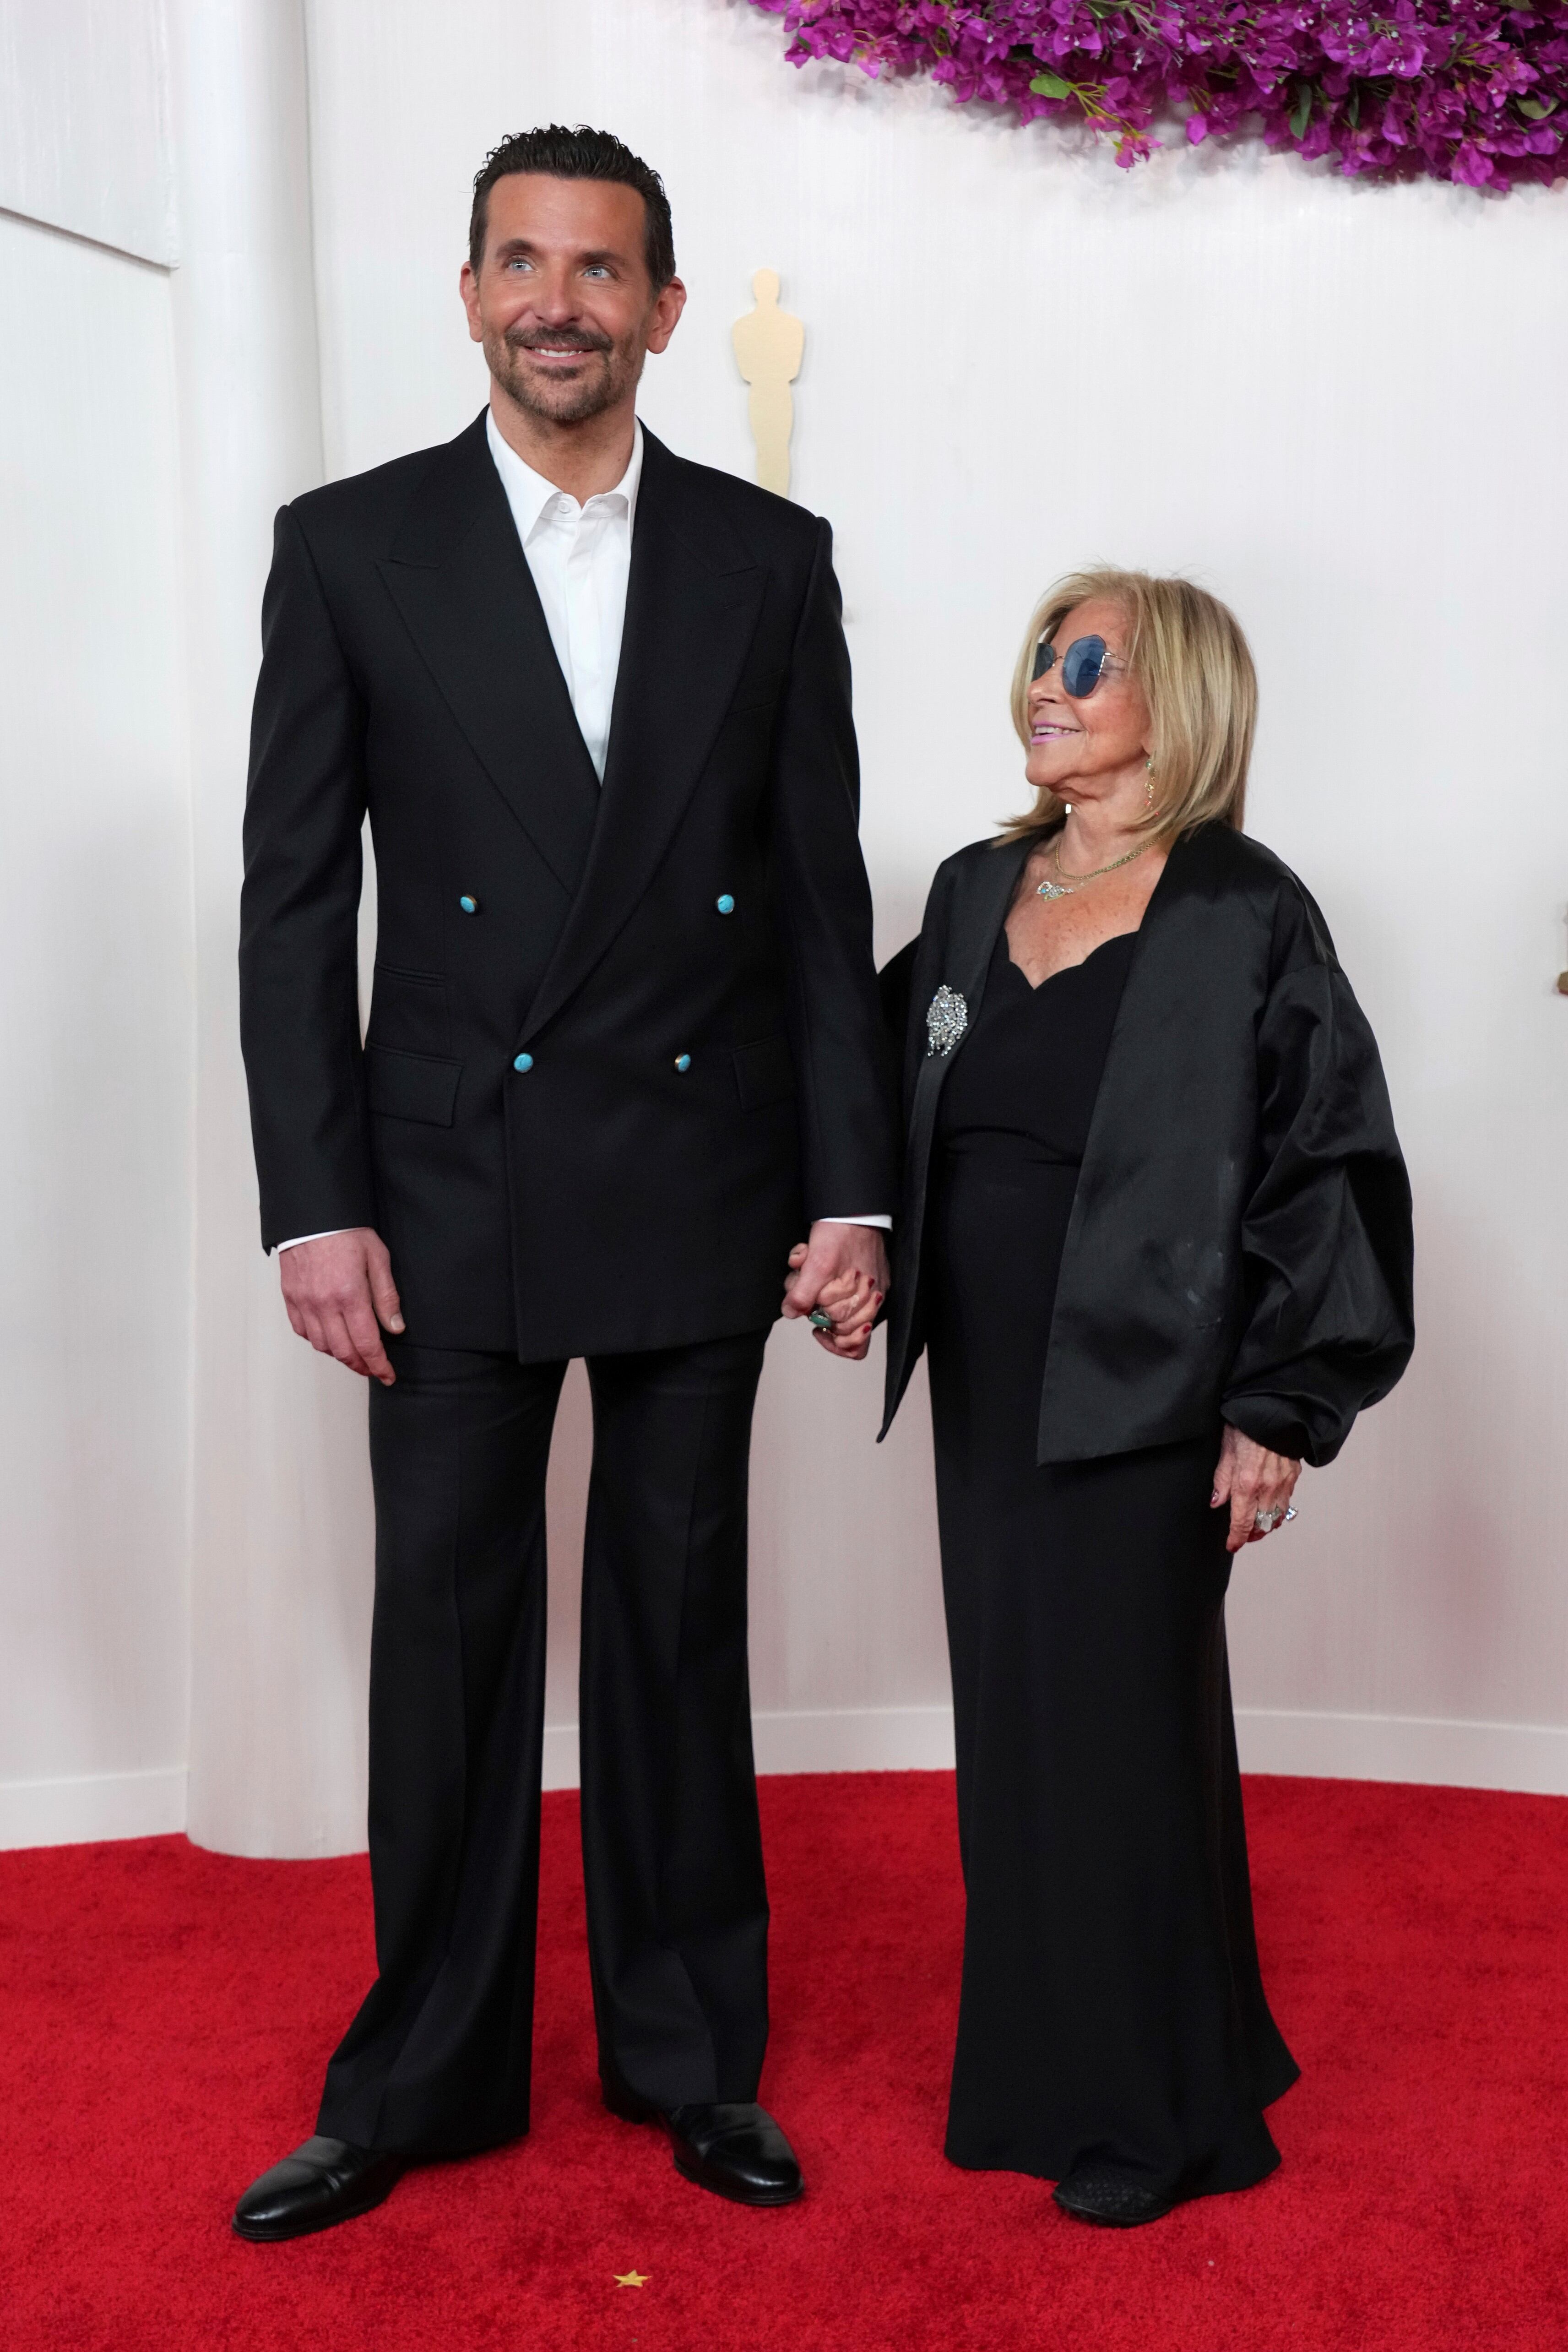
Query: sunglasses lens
x=1083 y=664
x=1044 y=656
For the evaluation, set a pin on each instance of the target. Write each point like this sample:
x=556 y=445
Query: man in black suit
x=623 y=1036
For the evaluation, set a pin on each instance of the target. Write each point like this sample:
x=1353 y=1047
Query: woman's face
x=1085 y=749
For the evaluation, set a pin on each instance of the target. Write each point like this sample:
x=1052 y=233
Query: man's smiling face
x=562 y=302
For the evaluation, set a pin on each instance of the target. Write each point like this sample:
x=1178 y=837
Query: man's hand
x=843 y=1270
x=1252 y=1481
x=341 y=1295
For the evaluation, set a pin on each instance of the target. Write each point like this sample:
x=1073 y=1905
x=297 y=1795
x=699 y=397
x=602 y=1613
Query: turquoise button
x=683 y=1062
x=469 y=906
x=524 y=1062
x=726 y=904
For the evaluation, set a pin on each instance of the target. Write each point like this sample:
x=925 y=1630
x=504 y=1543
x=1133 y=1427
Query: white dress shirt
x=581 y=559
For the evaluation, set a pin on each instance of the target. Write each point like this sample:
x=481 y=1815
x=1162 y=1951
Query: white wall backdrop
x=1339 y=405
x=84 y=123
x=97 y=1014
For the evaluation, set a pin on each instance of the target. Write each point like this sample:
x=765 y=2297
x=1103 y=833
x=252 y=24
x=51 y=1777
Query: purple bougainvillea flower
x=1444 y=89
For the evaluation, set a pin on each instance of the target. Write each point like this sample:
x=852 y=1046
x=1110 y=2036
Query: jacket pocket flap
x=757 y=694
x=411 y=1086
x=765 y=1072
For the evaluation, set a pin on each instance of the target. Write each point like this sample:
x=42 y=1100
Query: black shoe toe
x=324 y=2182
x=736 y=2150
x=1101 y=2193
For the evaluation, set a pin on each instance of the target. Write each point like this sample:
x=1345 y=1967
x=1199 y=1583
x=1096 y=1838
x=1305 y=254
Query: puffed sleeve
x=1326 y=1234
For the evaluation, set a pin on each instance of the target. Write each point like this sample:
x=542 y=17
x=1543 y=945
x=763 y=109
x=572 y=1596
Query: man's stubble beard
x=565 y=403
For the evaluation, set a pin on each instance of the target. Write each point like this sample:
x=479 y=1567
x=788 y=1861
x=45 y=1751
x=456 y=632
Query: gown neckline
x=1034 y=986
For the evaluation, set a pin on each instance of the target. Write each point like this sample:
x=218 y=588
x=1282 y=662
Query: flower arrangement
x=1472 y=92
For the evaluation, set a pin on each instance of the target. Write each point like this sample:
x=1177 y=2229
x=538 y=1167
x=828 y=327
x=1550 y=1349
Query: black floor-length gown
x=1111 y=2002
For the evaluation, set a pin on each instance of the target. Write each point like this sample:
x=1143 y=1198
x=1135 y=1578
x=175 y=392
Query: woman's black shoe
x=1098 y=2192
x=325 y=2181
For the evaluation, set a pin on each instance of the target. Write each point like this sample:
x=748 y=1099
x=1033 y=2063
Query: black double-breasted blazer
x=1240 y=1238
x=623 y=1042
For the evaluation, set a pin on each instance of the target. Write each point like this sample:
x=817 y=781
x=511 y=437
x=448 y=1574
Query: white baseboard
x=856 y=1740
x=827 y=1740
x=1532 y=1758
x=560 y=1755
x=92 y=1806
x=1528 y=1756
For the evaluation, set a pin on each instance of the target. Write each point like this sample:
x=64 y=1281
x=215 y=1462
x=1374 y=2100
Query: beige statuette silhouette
x=768 y=344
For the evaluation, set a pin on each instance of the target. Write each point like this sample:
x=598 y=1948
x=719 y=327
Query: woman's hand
x=851 y=1298
x=1252 y=1481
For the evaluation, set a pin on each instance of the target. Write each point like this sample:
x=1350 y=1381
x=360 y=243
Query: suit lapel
x=459 y=578
x=691 y=603
x=981 y=903
x=960 y=960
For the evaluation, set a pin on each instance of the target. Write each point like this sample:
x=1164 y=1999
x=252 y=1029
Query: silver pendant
x=946 y=1019
x=1055 y=890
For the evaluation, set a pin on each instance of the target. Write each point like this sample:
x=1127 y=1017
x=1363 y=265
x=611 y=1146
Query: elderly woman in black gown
x=1155 y=1242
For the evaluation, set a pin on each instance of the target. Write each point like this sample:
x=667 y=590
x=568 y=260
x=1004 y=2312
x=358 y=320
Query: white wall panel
x=96 y=1029
x=84 y=121
x=1338 y=405
x=281 y=1545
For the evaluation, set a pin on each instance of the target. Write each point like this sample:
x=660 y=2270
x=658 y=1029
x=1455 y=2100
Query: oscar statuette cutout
x=768 y=346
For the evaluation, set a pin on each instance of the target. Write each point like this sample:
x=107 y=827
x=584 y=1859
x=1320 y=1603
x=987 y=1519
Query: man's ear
x=668 y=303
x=468 y=287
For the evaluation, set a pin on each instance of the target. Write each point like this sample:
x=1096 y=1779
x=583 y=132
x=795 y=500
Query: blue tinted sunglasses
x=1083 y=664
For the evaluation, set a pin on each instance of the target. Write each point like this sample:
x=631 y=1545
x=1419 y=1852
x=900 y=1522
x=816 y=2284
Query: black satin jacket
x=1240 y=1240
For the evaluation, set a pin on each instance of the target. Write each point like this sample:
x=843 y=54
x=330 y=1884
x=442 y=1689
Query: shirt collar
x=528 y=494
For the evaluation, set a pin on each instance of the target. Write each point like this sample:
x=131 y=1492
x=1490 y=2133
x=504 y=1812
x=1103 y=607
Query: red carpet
x=166 y=2014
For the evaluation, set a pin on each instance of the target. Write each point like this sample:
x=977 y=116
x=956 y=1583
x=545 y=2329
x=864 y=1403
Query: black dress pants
x=437 y=2060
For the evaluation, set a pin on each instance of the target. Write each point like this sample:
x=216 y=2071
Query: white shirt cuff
x=880 y=1219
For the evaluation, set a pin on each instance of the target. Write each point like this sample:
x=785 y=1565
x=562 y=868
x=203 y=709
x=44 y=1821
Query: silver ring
x=1267 y=1521
x=1290 y=1511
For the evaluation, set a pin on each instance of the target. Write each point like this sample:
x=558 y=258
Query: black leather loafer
x=735 y=2150
x=1098 y=2192
x=324 y=2182
x=732 y=2147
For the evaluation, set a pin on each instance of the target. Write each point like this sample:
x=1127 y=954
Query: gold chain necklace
x=1061 y=889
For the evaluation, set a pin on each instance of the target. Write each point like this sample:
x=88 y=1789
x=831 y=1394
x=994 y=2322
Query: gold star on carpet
x=633 y=2278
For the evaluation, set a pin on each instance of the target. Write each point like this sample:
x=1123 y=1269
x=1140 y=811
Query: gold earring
x=1149 y=784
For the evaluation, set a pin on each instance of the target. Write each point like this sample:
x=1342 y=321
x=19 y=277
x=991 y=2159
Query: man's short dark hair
x=579 y=154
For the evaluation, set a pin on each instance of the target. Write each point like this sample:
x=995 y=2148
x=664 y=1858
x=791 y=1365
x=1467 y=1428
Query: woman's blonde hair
x=1188 y=654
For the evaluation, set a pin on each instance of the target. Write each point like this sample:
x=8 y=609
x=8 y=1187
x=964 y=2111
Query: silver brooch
x=945 y=1021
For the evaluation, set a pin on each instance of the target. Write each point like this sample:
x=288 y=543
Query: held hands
x=842 y=1271
x=1256 y=1484
x=340 y=1296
